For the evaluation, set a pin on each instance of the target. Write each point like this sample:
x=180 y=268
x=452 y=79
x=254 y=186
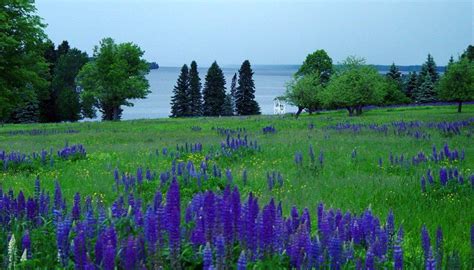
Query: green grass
x=341 y=183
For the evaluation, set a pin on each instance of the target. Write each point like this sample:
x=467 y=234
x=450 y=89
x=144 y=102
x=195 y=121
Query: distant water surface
x=270 y=82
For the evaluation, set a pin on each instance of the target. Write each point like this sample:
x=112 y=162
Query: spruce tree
x=394 y=73
x=214 y=91
x=245 y=95
x=426 y=91
x=227 y=107
x=233 y=91
x=179 y=101
x=411 y=86
x=429 y=67
x=195 y=97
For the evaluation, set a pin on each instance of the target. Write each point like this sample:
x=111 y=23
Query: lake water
x=270 y=82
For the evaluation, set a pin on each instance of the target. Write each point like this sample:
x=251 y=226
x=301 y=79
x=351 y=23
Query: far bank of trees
x=189 y=100
x=353 y=84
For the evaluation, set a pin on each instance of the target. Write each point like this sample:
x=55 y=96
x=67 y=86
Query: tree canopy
x=354 y=86
x=116 y=75
x=457 y=84
x=180 y=105
x=214 y=91
x=317 y=63
x=22 y=66
x=304 y=93
x=245 y=103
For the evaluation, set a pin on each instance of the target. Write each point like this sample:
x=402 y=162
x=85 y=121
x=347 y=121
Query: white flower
x=12 y=252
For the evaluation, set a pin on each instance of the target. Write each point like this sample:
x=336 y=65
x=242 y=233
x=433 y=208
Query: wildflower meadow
x=391 y=189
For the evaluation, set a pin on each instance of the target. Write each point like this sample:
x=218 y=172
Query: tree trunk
x=115 y=115
x=351 y=110
x=459 y=106
x=300 y=109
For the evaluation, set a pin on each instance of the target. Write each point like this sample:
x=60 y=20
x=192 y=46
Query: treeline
x=190 y=100
x=40 y=82
x=318 y=84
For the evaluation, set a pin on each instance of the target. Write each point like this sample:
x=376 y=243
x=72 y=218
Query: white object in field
x=278 y=106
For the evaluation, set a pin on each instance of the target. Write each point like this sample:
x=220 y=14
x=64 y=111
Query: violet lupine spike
x=423 y=184
x=397 y=257
x=439 y=247
x=109 y=257
x=335 y=252
x=150 y=228
x=173 y=214
x=425 y=241
x=130 y=258
x=207 y=257
x=443 y=176
x=80 y=251
x=369 y=260
x=242 y=262
x=430 y=261
x=268 y=233
x=26 y=244
x=76 y=208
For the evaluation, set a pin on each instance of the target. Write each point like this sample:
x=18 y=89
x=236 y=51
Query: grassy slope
x=342 y=183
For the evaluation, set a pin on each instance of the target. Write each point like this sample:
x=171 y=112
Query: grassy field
x=350 y=177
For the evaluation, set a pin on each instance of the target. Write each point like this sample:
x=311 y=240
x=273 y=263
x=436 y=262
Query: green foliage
x=393 y=93
x=64 y=84
x=116 y=75
x=180 y=104
x=353 y=87
x=214 y=91
x=227 y=109
x=245 y=103
x=22 y=66
x=195 y=97
x=233 y=92
x=411 y=85
x=457 y=84
x=304 y=92
x=469 y=53
x=426 y=93
x=318 y=63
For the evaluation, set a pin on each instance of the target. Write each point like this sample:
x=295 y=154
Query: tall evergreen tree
x=195 y=97
x=394 y=73
x=429 y=67
x=180 y=100
x=426 y=91
x=233 y=91
x=214 y=91
x=469 y=53
x=227 y=107
x=245 y=95
x=411 y=85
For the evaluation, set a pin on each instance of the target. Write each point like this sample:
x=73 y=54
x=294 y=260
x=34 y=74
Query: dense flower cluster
x=269 y=130
x=233 y=144
x=75 y=151
x=189 y=148
x=446 y=176
x=42 y=132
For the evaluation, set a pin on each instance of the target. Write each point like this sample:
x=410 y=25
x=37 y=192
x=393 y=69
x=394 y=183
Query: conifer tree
x=411 y=85
x=426 y=91
x=195 y=96
x=394 y=73
x=227 y=107
x=233 y=91
x=179 y=101
x=214 y=91
x=429 y=67
x=245 y=95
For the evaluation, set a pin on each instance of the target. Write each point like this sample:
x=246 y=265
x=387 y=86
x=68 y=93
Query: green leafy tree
x=457 y=84
x=116 y=75
x=214 y=91
x=22 y=66
x=393 y=93
x=64 y=84
x=245 y=103
x=303 y=92
x=180 y=105
x=354 y=86
x=317 y=63
x=195 y=96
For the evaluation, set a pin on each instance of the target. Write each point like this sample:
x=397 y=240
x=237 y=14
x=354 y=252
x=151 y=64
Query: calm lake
x=270 y=82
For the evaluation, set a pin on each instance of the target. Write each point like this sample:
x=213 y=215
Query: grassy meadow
x=349 y=177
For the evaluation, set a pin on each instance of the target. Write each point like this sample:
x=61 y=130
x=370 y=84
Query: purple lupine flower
x=391 y=224
x=430 y=177
x=423 y=184
x=76 y=208
x=369 y=260
x=99 y=248
x=236 y=209
x=443 y=176
x=139 y=176
x=229 y=177
x=109 y=256
x=173 y=213
x=380 y=162
x=439 y=246
x=207 y=257
x=220 y=251
x=397 y=257
x=62 y=235
x=425 y=241
x=80 y=251
x=268 y=220
x=242 y=262
x=430 y=261
x=209 y=214
x=151 y=233
x=26 y=244
x=58 y=200
x=130 y=258
x=335 y=252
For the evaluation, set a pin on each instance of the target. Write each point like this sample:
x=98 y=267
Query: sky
x=267 y=32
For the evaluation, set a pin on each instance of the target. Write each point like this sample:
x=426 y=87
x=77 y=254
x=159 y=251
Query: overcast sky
x=267 y=32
